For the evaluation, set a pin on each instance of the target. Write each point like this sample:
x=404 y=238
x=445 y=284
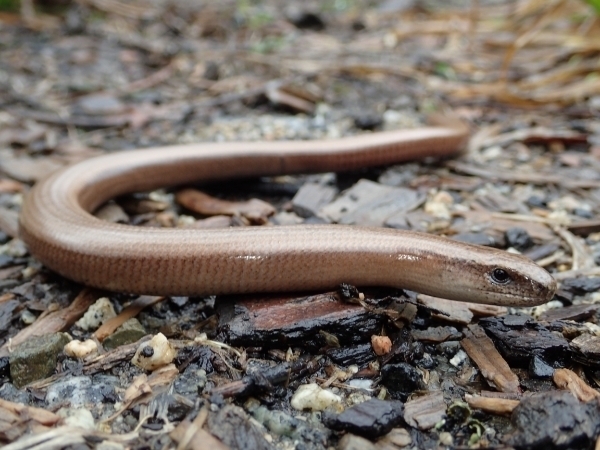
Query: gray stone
x=36 y=358
x=311 y=197
x=131 y=331
x=371 y=204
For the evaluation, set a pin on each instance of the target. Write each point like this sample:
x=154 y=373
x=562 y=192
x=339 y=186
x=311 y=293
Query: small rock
x=77 y=417
x=370 y=419
x=36 y=358
x=446 y=439
x=398 y=437
x=458 y=359
x=80 y=350
x=540 y=368
x=312 y=396
x=97 y=314
x=352 y=442
x=477 y=239
x=518 y=238
x=74 y=391
x=155 y=353
x=304 y=19
x=128 y=333
x=313 y=196
x=99 y=104
x=401 y=380
x=371 y=204
x=382 y=345
x=368 y=121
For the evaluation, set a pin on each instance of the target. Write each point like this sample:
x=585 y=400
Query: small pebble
x=80 y=350
x=77 y=417
x=382 y=345
x=159 y=350
x=97 y=314
x=518 y=238
x=352 y=442
x=312 y=396
x=398 y=437
x=446 y=439
x=459 y=358
x=27 y=317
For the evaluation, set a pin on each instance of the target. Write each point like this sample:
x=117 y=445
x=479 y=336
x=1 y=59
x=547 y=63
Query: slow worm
x=57 y=225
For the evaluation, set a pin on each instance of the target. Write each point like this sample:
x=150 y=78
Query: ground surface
x=93 y=76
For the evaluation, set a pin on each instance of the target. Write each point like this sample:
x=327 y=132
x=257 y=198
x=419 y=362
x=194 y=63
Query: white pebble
x=80 y=350
x=458 y=359
x=77 y=417
x=155 y=353
x=97 y=314
x=311 y=396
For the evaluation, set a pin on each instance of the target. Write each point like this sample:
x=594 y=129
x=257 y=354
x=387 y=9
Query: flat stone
x=312 y=196
x=128 y=333
x=36 y=358
x=370 y=204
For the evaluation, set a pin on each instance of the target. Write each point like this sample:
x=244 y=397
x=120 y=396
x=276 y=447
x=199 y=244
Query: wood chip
x=29 y=412
x=567 y=379
x=254 y=209
x=130 y=311
x=502 y=406
x=577 y=312
x=447 y=310
x=494 y=368
x=425 y=412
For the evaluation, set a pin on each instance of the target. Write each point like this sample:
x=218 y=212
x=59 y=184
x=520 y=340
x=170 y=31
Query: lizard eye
x=500 y=276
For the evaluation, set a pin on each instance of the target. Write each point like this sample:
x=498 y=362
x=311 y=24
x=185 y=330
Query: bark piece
x=283 y=320
x=587 y=349
x=458 y=312
x=436 y=335
x=555 y=419
x=577 y=312
x=370 y=419
x=401 y=380
x=519 y=338
x=494 y=368
x=426 y=411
